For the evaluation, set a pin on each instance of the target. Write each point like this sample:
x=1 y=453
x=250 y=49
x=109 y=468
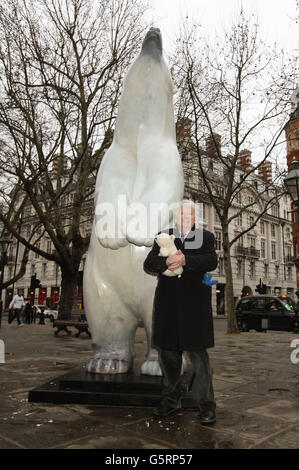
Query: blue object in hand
x=207 y=280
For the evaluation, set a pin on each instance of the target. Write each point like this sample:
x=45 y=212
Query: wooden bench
x=77 y=319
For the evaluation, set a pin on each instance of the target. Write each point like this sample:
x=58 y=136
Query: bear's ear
x=172 y=236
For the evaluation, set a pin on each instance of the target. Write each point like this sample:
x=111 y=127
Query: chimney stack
x=213 y=145
x=244 y=160
x=265 y=171
x=183 y=129
x=59 y=166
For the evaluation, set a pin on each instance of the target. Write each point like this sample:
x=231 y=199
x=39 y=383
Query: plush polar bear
x=167 y=248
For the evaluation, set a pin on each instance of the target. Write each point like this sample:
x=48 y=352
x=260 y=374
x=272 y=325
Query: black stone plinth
x=81 y=387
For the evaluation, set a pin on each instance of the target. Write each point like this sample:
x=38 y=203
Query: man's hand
x=176 y=260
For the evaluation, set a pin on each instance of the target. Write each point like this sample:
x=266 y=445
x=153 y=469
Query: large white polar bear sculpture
x=141 y=166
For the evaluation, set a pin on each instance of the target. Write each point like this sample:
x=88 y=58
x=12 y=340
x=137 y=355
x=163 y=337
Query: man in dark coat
x=182 y=313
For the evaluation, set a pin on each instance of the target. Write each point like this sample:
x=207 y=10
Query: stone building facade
x=292 y=139
x=265 y=252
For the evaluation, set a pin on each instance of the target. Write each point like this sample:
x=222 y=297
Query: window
x=288 y=233
x=289 y=275
x=273 y=250
x=266 y=270
x=217 y=220
x=250 y=200
x=220 y=266
x=252 y=269
x=27 y=211
x=240 y=240
x=203 y=210
x=239 y=268
x=32 y=269
x=218 y=240
x=258 y=304
x=275 y=211
x=239 y=198
x=239 y=219
x=277 y=272
x=220 y=191
x=251 y=241
x=44 y=269
x=37 y=246
x=49 y=246
x=263 y=249
x=245 y=304
x=251 y=220
x=262 y=225
x=297 y=141
x=28 y=230
x=273 y=231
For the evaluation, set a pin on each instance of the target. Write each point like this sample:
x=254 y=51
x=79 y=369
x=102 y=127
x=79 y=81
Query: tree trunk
x=232 y=326
x=69 y=288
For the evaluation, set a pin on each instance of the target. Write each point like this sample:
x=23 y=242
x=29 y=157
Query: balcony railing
x=247 y=251
x=289 y=259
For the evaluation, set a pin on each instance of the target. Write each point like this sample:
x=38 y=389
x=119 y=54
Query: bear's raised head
x=152 y=43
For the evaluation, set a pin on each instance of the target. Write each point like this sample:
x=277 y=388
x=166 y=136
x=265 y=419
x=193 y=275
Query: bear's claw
x=109 y=363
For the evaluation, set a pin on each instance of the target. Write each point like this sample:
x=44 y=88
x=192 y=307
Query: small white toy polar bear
x=167 y=248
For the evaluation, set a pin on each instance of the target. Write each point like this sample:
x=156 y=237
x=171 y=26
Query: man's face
x=185 y=217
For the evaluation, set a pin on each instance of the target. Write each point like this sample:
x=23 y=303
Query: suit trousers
x=202 y=386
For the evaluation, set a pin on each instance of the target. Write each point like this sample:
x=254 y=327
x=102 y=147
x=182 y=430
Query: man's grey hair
x=187 y=202
x=195 y=207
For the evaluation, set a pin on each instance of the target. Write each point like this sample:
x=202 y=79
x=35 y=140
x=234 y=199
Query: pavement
x=256 y=389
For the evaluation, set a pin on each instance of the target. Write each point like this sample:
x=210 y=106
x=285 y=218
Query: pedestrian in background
x=28 y=312
x=17 y=304
x=33 y=314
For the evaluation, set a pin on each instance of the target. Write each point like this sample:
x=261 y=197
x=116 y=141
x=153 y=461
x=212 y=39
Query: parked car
x=262 y=313
x=51 y=313
x=39 y=309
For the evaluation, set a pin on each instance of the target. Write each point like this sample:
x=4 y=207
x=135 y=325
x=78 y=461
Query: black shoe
x=207 y=417
x=166 y=409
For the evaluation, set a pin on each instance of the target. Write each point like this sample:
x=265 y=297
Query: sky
x=276 y=20
x=275 y=17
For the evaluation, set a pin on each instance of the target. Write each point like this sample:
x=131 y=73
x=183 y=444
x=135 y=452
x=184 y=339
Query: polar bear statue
x=142 y=166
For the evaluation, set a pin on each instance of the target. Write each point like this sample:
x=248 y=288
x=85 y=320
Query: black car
x=262 y=313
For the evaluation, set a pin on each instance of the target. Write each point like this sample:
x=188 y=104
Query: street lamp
x=4 y=243
x=291 y=183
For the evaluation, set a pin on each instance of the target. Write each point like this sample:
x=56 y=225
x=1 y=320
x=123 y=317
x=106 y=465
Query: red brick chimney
x=183 y=129
x=244 y=160
x=265 y=171
x=59 y=165
x=213 y=145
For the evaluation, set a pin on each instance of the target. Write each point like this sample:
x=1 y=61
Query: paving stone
x=256 y=389
x=284 y=410
x=285 y=440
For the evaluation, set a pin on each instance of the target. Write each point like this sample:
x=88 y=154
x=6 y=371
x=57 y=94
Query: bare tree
x=237 y=88
x=62 y=64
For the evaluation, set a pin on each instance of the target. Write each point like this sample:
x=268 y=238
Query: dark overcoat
x=182 y=310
